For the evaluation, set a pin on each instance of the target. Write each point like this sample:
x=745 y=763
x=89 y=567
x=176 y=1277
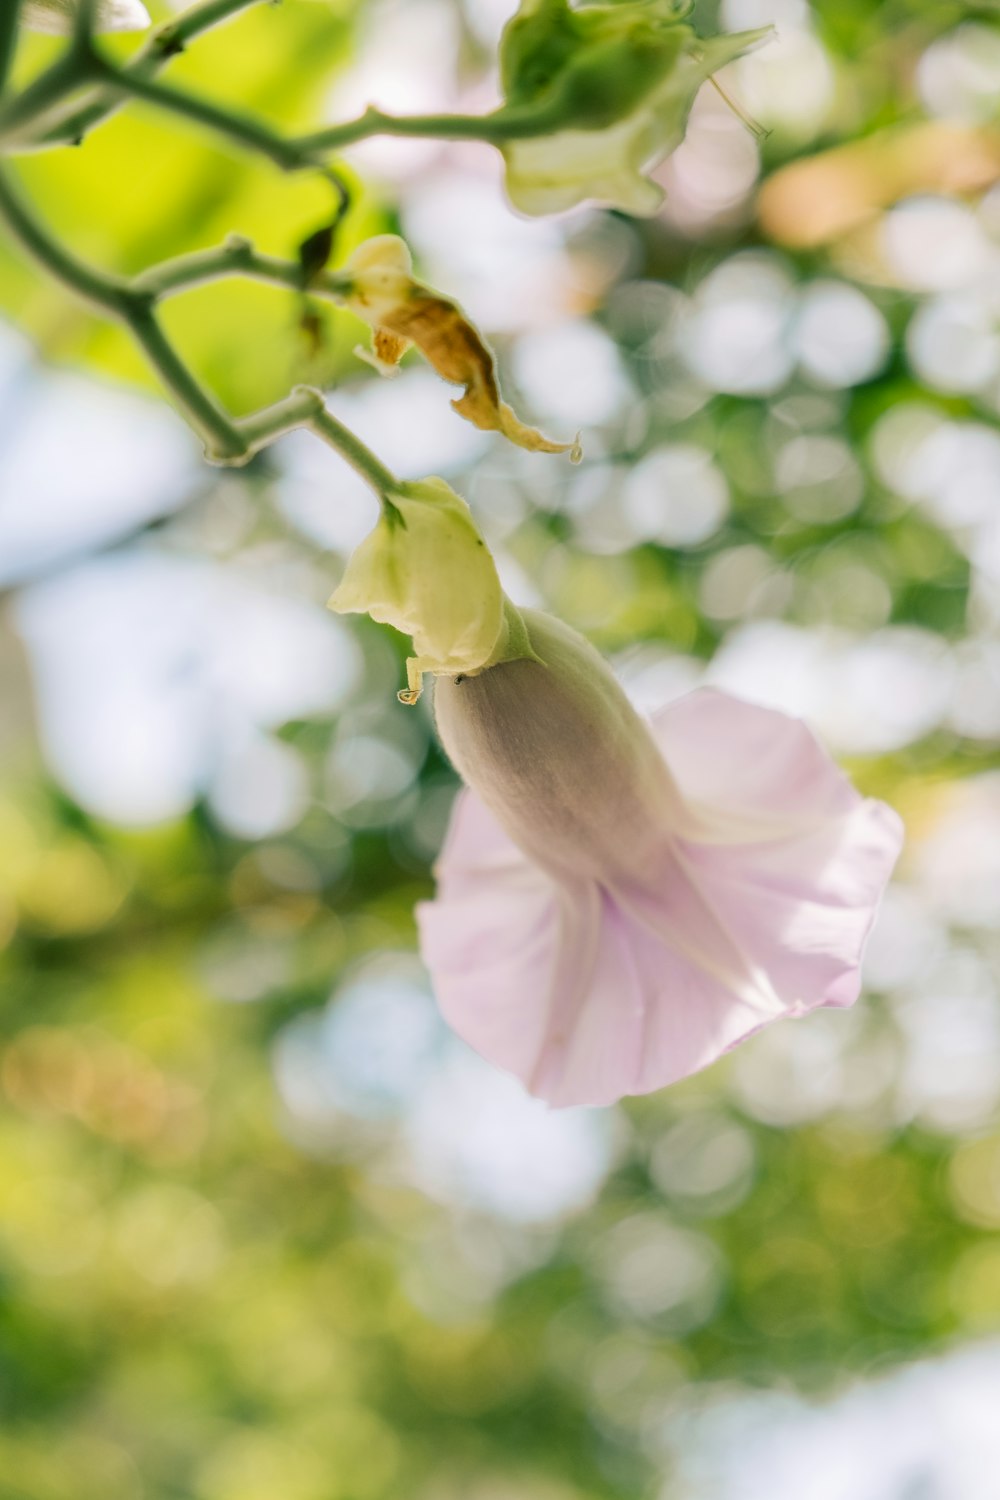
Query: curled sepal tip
x=403 y=312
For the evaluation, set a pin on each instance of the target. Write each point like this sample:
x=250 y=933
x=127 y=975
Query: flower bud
x=426 y=570
x=614 y=85
x=595 y=64
x=57 y=16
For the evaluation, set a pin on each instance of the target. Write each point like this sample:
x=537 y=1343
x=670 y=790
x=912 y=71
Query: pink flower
x=619 y=904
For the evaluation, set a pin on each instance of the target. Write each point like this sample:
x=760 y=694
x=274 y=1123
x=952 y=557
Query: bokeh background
x=267 y=1231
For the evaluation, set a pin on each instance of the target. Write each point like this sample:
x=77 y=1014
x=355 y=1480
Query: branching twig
x=132 y=302
x=165 y=42
x=44 y=113
x=115 y=298
x=234 y=124
x=235 y=257
x=306 y=408
x=26 y=121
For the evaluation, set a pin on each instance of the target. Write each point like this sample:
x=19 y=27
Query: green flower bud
x=615 y=85
x=426 y=570
x=598 y=63
x=57 y=16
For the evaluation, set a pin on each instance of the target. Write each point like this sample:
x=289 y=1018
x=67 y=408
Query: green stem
x=43 y=94
x=8 y=39
x=220 y=435
x=295 y=154
x=502 y=125
x=167 y=41
x=235 y=257
x=83 y=24
x=305 y=408
x=72 y=122
x=131 y=303
x=173 y=36
x=291 y=154
x=236 y=126
x=352 y=449
x=107 y=293
x=297 y=410
x=117 y=299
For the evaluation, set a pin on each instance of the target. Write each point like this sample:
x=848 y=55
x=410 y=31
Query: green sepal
x=513 y=642
x=590 y=67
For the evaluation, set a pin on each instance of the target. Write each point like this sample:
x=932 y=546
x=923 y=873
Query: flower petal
x=490 y=939
x=589 y=991
x=568 y=985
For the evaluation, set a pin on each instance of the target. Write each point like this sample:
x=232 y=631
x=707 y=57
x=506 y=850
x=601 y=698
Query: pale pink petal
x=748 y=770
x=520 y=966
x=475 y=847
x=492 y=940
x=691 y=1018
x=589 y=990
x=571 y=986
x=648 y=1017
x=800 y=890
x=563 y=983
x=594 y=1034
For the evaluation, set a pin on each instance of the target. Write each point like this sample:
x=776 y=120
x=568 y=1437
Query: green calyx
x=426 y=570
x=513 y=642
x=609 y=89
x=589 y=67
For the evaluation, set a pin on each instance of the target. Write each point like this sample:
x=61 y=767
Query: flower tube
x=620 y=903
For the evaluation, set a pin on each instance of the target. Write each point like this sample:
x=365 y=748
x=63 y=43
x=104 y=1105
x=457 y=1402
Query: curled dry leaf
x=402 y=312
